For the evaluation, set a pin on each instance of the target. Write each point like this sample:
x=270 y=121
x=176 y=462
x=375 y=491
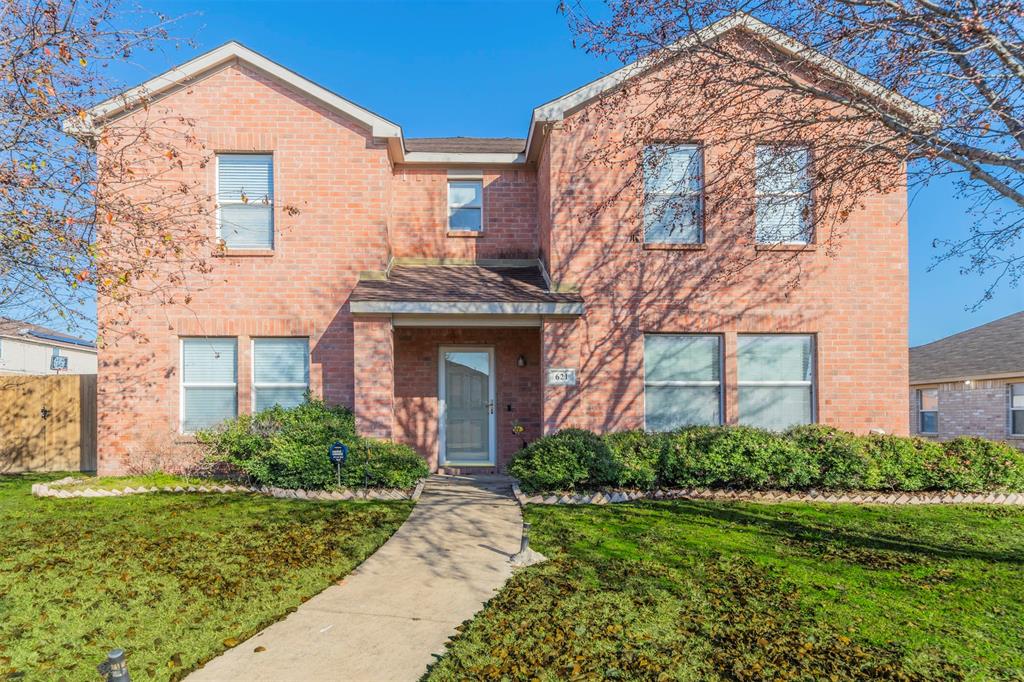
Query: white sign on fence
x=562 y=376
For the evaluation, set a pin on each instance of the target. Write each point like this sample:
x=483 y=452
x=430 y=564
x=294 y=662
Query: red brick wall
x=337 y=176
x=416 y=377
x=355 y=211
x=420 y=218
x=852 y=294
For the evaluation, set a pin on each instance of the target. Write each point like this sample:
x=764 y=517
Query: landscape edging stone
x=54 y=489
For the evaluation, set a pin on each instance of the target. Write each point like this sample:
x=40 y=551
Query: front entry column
x=560 y=349
x=374 y=370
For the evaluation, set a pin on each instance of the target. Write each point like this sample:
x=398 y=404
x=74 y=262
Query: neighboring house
x=971 y=383
x=450 y=289
x=30 y=349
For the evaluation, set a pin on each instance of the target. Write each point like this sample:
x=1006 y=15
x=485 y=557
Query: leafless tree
x=957 y=69
x=75 y=224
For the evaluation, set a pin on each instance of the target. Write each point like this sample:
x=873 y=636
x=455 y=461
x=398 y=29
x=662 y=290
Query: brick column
x=560 y=347
x=374 y=366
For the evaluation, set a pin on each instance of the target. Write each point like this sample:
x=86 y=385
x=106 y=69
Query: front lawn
x=701 y=590
x=173 y=579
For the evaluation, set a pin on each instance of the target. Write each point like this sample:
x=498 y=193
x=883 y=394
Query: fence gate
x=47 y=423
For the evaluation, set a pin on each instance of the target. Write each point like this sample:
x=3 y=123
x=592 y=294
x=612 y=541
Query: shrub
x=974 y=464
x=287 y=447
x=735 y=456
x=900 y=463
x=636 y=456
x=840 y=457
x=383 y=464
x=563 y=461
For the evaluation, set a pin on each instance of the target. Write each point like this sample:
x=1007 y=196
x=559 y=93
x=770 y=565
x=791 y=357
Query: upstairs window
x=245 y=200
x=209 y=382
x=682 y=380
x=673 y=194
x=776 y=380
x=1017 y=409
x=280 y=372
x=783 y=191
x=928 y=410
x=465 y=205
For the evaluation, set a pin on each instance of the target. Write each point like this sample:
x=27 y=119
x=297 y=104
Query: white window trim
x=809 y=195
x=448 y=201
x=252 y=370
x=691 y=384
x=921 y=411
x=182 y=385
x=270 y=202
x=668 y=196
x=1012 y=409
x=812 y=383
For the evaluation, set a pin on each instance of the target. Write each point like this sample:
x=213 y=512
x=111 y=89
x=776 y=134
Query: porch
x=448 y=359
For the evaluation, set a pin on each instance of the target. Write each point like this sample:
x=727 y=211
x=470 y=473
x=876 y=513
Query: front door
x=466 y=406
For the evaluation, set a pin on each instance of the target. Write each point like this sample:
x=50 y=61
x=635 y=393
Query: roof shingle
x=992 y=349
x=9 y=327
x=470 y=145
x=461 y=283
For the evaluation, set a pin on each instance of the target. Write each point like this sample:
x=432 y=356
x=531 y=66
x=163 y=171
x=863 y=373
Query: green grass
x=709 y=591
x=173 y=579
x=158 y=479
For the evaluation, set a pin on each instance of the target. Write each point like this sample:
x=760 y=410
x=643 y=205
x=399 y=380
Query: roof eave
x=557 y=109
x=231 y=51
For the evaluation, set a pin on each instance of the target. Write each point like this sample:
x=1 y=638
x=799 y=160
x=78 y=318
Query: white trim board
x=466 y=321
x=463 y=308
x=227 y=53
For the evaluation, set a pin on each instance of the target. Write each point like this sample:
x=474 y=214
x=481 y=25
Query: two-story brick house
x=451 y=289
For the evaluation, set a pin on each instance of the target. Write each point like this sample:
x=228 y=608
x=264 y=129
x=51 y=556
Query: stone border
x=53 y=489
x=769 y=496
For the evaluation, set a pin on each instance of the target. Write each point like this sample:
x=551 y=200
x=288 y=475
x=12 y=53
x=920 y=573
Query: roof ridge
x=969 y=330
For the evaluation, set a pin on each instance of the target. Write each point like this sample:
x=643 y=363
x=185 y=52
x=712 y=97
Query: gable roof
x=479 y=150
x=991 y=350
x=557 y=109
x=479 y=145
x=229 y=52
x=16 y=329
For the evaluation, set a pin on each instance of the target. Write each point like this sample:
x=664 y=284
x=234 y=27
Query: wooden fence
x=47 y=423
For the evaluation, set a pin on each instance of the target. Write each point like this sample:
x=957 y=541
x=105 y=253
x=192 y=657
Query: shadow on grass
x=803 y=530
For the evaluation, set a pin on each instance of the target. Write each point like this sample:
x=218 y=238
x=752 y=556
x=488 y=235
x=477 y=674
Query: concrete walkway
x=388 y=617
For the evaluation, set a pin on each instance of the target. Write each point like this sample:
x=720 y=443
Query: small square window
x=1017 y=409
x=280 y=372
x=776 y=380
x=928 y=410
x=465 y=205
x=209 y=382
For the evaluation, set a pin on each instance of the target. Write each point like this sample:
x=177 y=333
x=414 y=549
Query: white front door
x=467 y=434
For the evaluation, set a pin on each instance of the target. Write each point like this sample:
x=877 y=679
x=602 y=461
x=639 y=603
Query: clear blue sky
x=479 y=68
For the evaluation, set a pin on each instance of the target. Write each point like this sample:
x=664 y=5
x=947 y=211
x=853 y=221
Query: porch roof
x=516 y=289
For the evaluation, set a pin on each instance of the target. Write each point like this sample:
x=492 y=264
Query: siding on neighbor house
x=32 y=356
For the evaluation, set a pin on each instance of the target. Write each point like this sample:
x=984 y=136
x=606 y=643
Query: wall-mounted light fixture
x=521 y=361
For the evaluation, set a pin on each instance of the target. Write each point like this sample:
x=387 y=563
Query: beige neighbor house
x=30 y=349
x=971 y=383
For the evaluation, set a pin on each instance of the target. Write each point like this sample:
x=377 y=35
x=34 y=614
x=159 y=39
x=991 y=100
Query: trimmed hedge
x=803 y=458
x=287 y=448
